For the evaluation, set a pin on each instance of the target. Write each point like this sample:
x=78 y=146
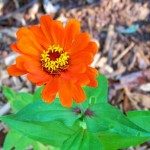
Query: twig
x=16 y=3
x=96 y=58
x=127 y=92
x=124 y=53
x=117 y=72
x=4 y=109
x=132 y=62
x=18 y=10
x=110 y=37
x=108 y=43
x=90 y=26
x=143 y=56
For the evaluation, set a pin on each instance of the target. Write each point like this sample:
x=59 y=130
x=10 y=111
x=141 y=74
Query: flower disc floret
x=54 y=60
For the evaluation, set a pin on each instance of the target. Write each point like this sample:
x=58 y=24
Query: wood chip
x=145 y=87
x=124 y=53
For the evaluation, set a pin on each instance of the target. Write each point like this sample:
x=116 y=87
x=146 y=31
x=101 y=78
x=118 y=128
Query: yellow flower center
x=54 y=60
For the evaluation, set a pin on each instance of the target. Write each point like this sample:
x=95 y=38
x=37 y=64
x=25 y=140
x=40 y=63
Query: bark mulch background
x=121 y=29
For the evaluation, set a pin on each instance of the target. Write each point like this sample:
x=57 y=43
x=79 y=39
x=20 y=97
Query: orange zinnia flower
x=57 y=57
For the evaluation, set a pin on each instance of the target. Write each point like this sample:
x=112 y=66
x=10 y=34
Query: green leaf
x=53 y=133
x=39 y=146
x=82 y=140
x=37 y=93
x=115 y=142
x=21 y=100
x=98 y=94
x=108 y=118
x=17 y=141
x=43 y=112
x=17 y=100
x=9 y=93
x=141 y=118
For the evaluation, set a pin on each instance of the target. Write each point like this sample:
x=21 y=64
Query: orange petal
x=41 y=83
x=46 y=24
x=77 y=68
x=78 y=93
x=83 y=79
x=82 y=57
x=92 y=47
x=69 y=76
x=39 y=79
x=28 y=63
x=50 y=90
x=34 y=67
x=48 y=98
x=92 y=73
x=57 y=32
x=27 y=47
x=25 y=32
x=71 y=30
x=93 y=83
x=22 y=32
x=65 y=94
x=37 y=31
x=14 y=47
x=20 y=60
x=14 y=71
x=80 y=42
